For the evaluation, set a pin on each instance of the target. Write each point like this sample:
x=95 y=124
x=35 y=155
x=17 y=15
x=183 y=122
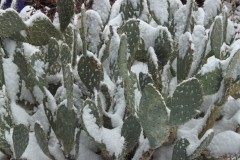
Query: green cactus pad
x=83 y=31
x=211 y=81
x=130 y=86
x=65 y=11
x=2 y=80
x=153 y=116
x=132 y=31
x=122 y=61
x=90 y=71
x=163 y=46
x=204 y=144
x=186 y=99
x=69 y=36
x=66 y=55
x=65 y=127
x=131 y=131
x=40 y=32
x=68 y=84
x=53 y=58
x=4 y=146
x=233 y=69
x=144 y=80
x=179 y=150
x=126 y=10
x=185 y=56
x=41 y=139
x=20 y=139
x=217 y=38
x=27 y=72
x=10 y=23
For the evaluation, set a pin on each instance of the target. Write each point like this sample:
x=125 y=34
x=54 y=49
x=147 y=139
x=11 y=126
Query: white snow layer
x=211 y=8
x=111 y=138
x=160 y=10
x=103 y=8
x=225 y=142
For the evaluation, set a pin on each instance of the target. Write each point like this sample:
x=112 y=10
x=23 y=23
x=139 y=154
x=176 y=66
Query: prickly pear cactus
x=179 y=150
x=20 y=139
x=153 y=116
x=90 y=71
x=186 y=99
x=217 y=37
x=53 y=57
x=66 y=124
x=66 y=11
x=41 y=30
x=131 y=131
x=41 y=139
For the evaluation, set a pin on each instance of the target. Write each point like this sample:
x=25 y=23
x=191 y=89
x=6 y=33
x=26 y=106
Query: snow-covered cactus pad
x=10 y=23
x=118 y=80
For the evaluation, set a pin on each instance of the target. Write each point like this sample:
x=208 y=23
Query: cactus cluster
x=116 y=78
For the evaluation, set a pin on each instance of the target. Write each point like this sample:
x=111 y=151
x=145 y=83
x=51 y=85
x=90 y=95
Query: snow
x=33 y=151
x=225 y=142
x=10 y=47
x=138 y=67
x=160 y=10
x=11 y=78
x=39 y=68
x=26 y=12
x=199 y=16
x=184 y=42
x=94 y=28
x=144 y=146
x=211 y=8
x=20 y=116
x=199 y=39
x=37 y=16
x=103 y=8
x=111 y=138
x=29 y=49
x=153 y=56
x=211 y=65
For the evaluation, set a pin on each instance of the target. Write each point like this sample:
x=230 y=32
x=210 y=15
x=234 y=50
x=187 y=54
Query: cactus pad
x=90 y=71
x=53 y=57
x=20 y=139
x=131 y=130
x=65 y=127
x=163 y=46
x=144 y=80
x=185 y=56
x=217 y=37
x=10 y=23
x=132 y=31
x=65 y=11
x=211 y=81
x=41 y=139
x=186 y=99
x=153 y=116
x=40 y=32
x=179 y=150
